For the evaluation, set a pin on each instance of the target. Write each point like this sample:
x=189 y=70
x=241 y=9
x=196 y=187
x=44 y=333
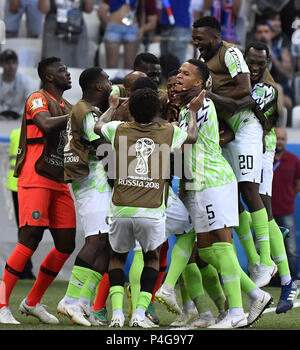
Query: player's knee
x=30 y=236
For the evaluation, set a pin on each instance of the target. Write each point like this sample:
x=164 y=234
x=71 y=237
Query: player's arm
x=47 y=123
x=231 y=104
x=106 y=116
x=37 y=109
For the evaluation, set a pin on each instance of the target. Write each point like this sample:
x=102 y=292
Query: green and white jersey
x=204 y=160
x=97 y=178
x=109 y=132
x=262 y=94
x=236 y=64
x=115 y=89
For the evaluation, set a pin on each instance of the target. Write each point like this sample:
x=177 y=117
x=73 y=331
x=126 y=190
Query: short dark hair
x=202 y=68
x=143 y=82
x=258 y=45
x=44 y=64
x=89 y=77
x=144 y=58
x=208 y=21
x=8 y=55
x=172 y=73
x=144 y=105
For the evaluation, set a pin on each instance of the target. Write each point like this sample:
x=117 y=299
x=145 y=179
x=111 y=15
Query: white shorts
x=93 y=211
x=124 y=232
x=267 y=173
x=214 y=208
x=178 y=220
x=244 y=153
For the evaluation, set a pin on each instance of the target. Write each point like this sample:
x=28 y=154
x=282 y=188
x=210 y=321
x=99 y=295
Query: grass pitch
x=269 y=320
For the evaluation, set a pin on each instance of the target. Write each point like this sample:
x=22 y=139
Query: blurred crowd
x=128 y=27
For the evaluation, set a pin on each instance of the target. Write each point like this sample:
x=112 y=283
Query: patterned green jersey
x=204 y=160
x=236 y=64
x=262 y=94
x=97 y=178
x=109 y=131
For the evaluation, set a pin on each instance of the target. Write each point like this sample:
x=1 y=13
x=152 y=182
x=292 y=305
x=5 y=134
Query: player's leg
x=177 y=223
x=259 y=217
x=150 y=233
x=62 y=223
x=99 y=306
x=289 y=290
x=92 y=260
x=244 y=233
x=193 y=280
x=213 y=221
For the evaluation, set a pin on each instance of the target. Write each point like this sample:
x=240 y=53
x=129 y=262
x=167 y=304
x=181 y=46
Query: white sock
x=236 y=311
x=256 y=293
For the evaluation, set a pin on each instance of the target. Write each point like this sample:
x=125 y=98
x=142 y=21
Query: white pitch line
x=269 y=309
x=272 y=309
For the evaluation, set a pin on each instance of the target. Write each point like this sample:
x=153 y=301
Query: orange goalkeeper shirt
x=29 y=177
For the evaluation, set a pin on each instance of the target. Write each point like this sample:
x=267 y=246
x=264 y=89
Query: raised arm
x=192 y=128
x=106 y=116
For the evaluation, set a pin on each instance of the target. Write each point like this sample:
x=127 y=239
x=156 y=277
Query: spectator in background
x=280 y=64
x=14 y=87
x=125 y=22
x=225 y=11
x=65 y=31
x=175 y=37
x=286 y=186
x=14 y=11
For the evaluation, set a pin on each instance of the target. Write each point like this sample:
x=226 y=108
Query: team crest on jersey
x=36 y=215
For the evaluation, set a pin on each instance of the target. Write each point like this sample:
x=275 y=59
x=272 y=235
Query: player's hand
x=185 y=96
x=197 y=102
x=113 y=101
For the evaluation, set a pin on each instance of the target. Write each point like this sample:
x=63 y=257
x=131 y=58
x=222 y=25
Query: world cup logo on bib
x=144 y=148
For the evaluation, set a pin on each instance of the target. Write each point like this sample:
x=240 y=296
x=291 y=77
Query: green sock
x=193 y=280
x=135 y=273
x=183 y=291
x=230 y=272
x=247 y=285
x=260 y=225
x=90 y=285
x=212 y=285
x=78 y=277
x=278 y=251
x=116 y=294
x=208 y=255
x=180 y=256
x=244 y=233
x=144 y=299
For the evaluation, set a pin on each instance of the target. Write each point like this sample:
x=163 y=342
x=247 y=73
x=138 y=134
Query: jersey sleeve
x=115 y=90
x=88 y=124
x=35 y=104
x=108 y=130
x=179 y=137
x=235 y=62
x=262 y=94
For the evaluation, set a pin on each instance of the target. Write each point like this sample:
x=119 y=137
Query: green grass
x=269 y=321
